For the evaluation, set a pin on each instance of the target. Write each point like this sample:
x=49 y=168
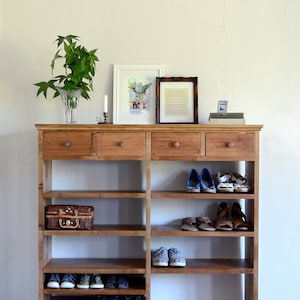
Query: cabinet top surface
x=149 y=127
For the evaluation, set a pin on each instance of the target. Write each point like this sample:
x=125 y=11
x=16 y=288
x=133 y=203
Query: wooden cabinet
x=151 y=151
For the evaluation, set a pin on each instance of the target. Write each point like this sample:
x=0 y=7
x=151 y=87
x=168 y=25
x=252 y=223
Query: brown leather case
x=76 y=217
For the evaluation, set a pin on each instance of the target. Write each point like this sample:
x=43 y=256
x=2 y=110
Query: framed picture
x=177 y=100
x=134 y=93
x=222 y=106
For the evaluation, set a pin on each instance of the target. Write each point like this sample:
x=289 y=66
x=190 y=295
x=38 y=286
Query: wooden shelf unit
x=148 y=144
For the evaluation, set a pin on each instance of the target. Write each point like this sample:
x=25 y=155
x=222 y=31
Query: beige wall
x=243 y=51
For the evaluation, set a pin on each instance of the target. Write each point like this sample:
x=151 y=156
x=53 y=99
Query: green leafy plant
x=79 y=65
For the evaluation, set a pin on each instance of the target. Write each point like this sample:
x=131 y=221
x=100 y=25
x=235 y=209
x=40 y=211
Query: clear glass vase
x=70 y=100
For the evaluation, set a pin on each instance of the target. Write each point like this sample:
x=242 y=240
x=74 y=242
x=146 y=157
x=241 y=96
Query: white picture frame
x=134 y=93
x=222 y=106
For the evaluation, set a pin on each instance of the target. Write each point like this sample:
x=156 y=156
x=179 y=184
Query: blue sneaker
x=206 y=182
x=160 y=257
x=123 y=282
x=68 y=281
x=193 y=183
x=54 y=281
x=176 y=258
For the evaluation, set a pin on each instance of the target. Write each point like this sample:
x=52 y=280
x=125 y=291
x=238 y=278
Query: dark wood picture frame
x=177 y=100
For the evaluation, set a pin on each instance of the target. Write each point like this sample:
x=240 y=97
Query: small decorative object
x=222 y=106
x=177 y=100
x=79 y=65
x=134 y=93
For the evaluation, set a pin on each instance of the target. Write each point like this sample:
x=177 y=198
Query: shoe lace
x=54 y=277
x=97 y=278
x=85 y=278
x=69 y=277
x=174 y=251
x=159 y=252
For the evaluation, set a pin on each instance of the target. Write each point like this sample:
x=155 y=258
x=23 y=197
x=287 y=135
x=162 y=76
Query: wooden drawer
x=230 y=146
x=173 y=146
x=121 y=146
x=62 y=144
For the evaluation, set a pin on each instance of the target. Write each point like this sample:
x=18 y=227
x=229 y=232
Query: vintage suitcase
x=69 y=217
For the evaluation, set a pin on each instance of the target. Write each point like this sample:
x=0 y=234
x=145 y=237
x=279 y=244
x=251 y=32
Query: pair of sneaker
x=120 y=282
x=163 y=257
x=202 y=182
x=66 y=281
x=232 y=182
x=93 y=281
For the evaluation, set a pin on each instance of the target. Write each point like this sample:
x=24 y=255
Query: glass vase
x=70 y=100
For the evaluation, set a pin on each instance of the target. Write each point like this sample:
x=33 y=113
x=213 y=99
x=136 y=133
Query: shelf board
x=142 y=194
x=96 y=265
x=209 y=266
x=174 y=230
x=102 y=230
x=185 y=195
x=94 y=194
x=105 y=291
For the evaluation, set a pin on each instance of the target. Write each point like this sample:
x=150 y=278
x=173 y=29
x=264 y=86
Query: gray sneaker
x=160 y=257
x=96 y=282
x=84 y=281
x=176 y=258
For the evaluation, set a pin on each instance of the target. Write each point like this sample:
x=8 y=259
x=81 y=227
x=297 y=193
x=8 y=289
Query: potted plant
x=79 y=65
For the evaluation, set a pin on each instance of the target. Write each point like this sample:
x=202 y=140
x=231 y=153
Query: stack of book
x=226 y=118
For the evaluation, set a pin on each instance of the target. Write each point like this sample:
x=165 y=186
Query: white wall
x=243 y=51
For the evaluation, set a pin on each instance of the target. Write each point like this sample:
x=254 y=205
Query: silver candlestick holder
x=105 y=114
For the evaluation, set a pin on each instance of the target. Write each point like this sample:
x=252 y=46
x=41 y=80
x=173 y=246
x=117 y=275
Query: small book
x=237 y=115
x=234 y=121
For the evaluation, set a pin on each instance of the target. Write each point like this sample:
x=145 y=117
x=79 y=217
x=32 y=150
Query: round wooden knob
x=230 y=145
x=121 y=144
x=176 y=144
x=67 y=143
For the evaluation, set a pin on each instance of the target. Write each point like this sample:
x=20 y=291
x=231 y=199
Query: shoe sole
x=67 y=286
x=211 y=191
x=54 y=285
x=207 y=228
x=160 y=264
x=99 y=286
x=227 y=190
x=178 y=264
x=193 y=191
x=82 y=286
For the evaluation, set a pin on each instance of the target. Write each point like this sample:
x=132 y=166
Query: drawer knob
x=176 y=144
x=121 y=144
x=67 y=143
x=230 y=145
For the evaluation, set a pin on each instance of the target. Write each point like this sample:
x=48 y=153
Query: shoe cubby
x=135 y=178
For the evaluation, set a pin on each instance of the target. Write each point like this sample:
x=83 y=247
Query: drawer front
x=121 y=145
x=63 y=144
x=230 y=145
x=175 y=146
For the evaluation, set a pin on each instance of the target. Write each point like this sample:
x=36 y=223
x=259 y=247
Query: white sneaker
x=84 y=282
